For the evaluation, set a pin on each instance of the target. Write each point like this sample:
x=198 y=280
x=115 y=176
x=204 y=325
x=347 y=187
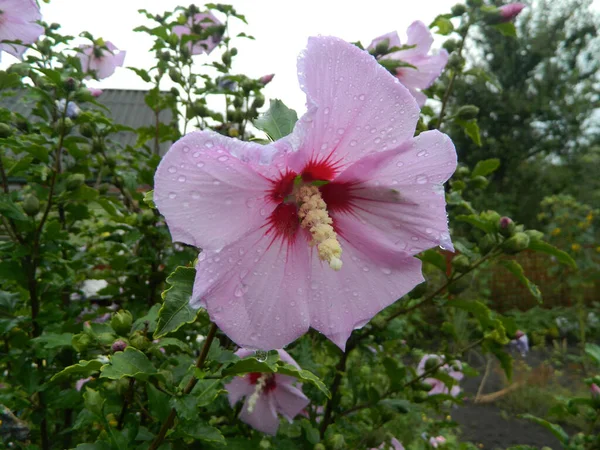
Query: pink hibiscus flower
x=196 y=25
x=102 y=60
x=267 y=394
x=394 y=444
x=435 y=442
x=427 y=66
x=17 y=23
x=438 y=387
x=274 y=220
x=510 y=11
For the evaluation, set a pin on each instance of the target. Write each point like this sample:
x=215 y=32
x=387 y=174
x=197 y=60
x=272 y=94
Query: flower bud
x=238 y=102
x=486 y=243
x=461 y=263
x=456 y=62
x=462 y=172
x=226 y=58
x=139 y=341
x=70 y=84
x=517 y=243
x=31 y=205
x=319 y=446
x=510 y=11
x=467 y=112
x=420 y=397
x=74 y=181
x=233 y=132
x=5 y=130
x=80 y=342
x=382 y=47
x=174 y=75
x=458 y=10
x=422 y=386
x=233 y=51
x=86 y=130
x=534 y=235
x=266 y=79
x=119 y=346
x=450 y=45
x=506 y=226
x=121 y=322
x=258 y=102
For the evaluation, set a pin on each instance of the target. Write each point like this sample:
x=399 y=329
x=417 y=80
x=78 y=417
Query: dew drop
x=377 y=140
x=200 y=165
x=365 y=269
x=181 y=178
x=209 y=144
x=222 y=158
x=195 y=195
x=172 y=195
x=326 y=111
x=216 y=182
x=353 y=143
x=261 y=355
x=399 y=164
x=422 y=179
x=414 y=238
x=422 y=153
x=172 y=169
x=340 y=131
x=361 y=97
x=186 y=149
x=196 y=154
x=386 y=271
x=228 y=201
x=238 y=292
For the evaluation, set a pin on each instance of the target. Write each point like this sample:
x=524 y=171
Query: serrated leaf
x=304 y=376
x=176 y=310
x=206 y=391
x=149 y=199
x=278 y=121
x=81 y=369
x=93 y=401
x=435 y=258
x=395 y=372
x=53 y=340
x=444 y=25
x=471 y=128
x=593 y=350
x=485 y=167
x=202 y=431
x=517 y=270
x=556 y=430
x=10 y=210
x=544 y=247
x=129 y=363
x=185 y=406
x=400 y=405
x=481 y=312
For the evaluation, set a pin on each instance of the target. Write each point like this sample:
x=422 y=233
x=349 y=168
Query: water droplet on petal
x=200 y=165
x=326 y=111
x=172 y=195
x=261 y=355
x=186 y=149
x=222 y=158
x=352 y=143
x=361 y=97
x=181 y=178
x=196 y=154
x=195 y=195
x=422 y=153
x=216 y=182
x=399 y=164
x=209 y=144
x=377 y=140
x=228 y=201
x=386 y=271
x=172 y=169
x=238 y=292
x=340 y=131
x=422 y=179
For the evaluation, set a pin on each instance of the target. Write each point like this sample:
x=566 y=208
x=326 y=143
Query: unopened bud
x=258 y=102
x=467 y=112
x=233 y=132
x=462 y=172
x=121 y=322
x=31 y=205
x=266 y=79
x=119 y=346
x=515 y=244
x=456 y=62
x=461 y=263
x=510 y=11
x=80 y=342
x=5 y=130
x=506 y=226
x=534 y=235
x=486 y=243
x=70 y=84
x=226 y=58
x=139 y=341
x=174 y=75
x=431 y=363
x=86 y=130
x=382 y=46
x=424 y=386
x=336 y=442
x=450 y=45
x=75 y=180
x=458 y=10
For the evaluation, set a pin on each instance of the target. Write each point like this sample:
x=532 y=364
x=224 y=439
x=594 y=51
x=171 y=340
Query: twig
x=488 y=369
x=126 y=402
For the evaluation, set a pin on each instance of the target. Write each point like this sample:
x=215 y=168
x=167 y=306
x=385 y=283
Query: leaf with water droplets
x=176 y=310
x=278 y=121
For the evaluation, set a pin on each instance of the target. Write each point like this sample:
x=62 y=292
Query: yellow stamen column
x=314 y=217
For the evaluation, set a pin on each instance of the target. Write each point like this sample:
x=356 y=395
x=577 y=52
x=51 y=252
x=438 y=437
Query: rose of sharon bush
x=197 y=25
x=101 y=59
x=426 y=66
x=17 y=23
x=267 y=394
x=319 y=228
x=453 y=369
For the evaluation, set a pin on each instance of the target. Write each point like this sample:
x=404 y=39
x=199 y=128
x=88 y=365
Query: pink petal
x=238 y=388
x=421 y=366
x=285 y=357
x=428 y=69
x=366 y=284
x=418 y=34
x=263 y=417
x=399 y=194
x=255 y=290
x=438 y=387
x=392 y=38
x=397 y=444
x=289 y=400
x=355 y=107
x=209 y=197
x=16 y=28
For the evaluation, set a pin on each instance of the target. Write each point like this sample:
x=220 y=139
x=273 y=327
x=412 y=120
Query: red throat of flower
x=269 y=384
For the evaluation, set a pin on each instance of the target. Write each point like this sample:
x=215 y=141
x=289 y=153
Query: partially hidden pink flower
x=17 y=23
x=95 y=92
x=510 y=11
x=102 y=60
x=266 y=79
x=394 y=444
x=267 y=394
x=595 y=390
x=318 y=229
x=435 y=442
x=426 y=66
x=453 y=369
x=81 y=382
x=196 y=26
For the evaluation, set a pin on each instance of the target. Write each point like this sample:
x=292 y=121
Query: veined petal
x=420 y=36
x=399 y=194
x=209 y=197
x=263 y=417
x=15 y=28
x=289 y=400
x=356 y=107
x=255 y=290
x=428 y=69
x=348 y=299
x=238 y=388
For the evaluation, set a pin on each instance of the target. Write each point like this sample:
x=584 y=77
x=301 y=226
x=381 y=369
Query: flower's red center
x=284 y=221
x=270 y=382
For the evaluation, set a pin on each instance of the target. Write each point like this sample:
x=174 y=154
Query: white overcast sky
x=281 y=28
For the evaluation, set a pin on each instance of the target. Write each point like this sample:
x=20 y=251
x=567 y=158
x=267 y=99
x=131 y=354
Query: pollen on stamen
x=314 y=217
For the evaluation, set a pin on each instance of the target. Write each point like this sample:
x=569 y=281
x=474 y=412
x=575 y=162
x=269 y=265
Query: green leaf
x=172 y=342
x=206 y=391
x=444 y=25
x=400 y=405
x=517 y=270
x=556 y=430
x=304 y=376
x=249 y=365
x=176 y=310
x=94 y=402
x=130 y=363
x=202 y=431
x=477 y=221
x=482 y=74
x=10 y=210
x=81 y=369
x=158 y=403
x=506 y=361
x=185 y=406
x=544 y=247
x=392 y=64
x=593 y=350
x=395 y=372
x=53 y=340
x=434 y=258
x=278 y=121
x=481 y=312
x=471 y=128
x=506 y=28
x=485 y=167
x=149 y=199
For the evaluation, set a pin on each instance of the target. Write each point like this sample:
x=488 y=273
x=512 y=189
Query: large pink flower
x=266 y=395
x=102 y=60
x=453 y=369
x=427 y=66
x=271 y=265
x=17 y=23
x=196 y=25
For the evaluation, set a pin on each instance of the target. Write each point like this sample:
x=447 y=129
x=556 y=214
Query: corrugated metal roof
x=125 y=106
